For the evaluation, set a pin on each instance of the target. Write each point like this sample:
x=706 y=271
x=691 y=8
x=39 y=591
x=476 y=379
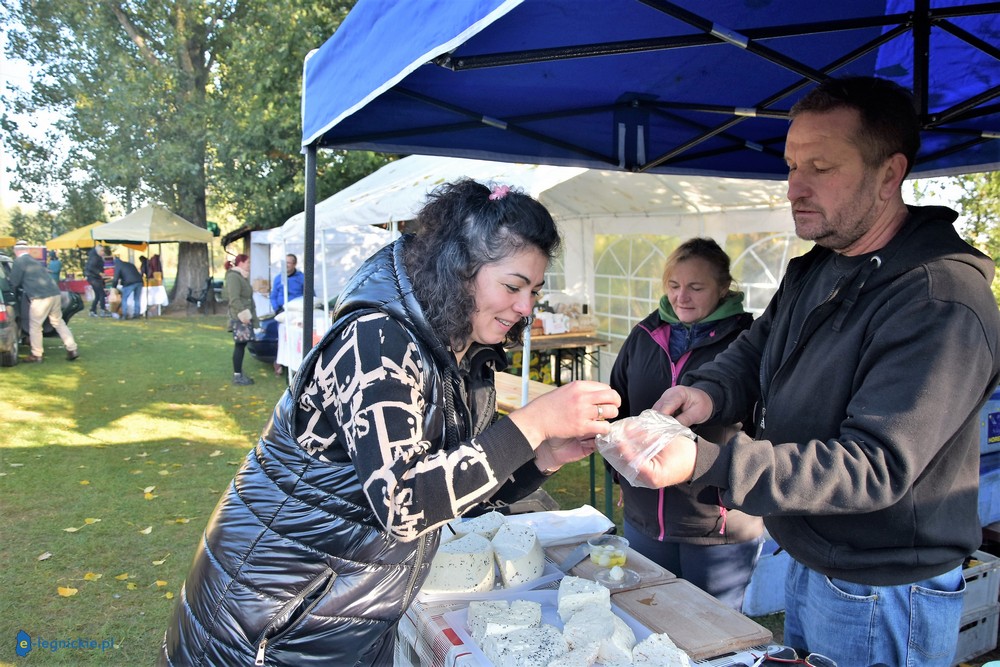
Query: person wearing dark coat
x=388 y=432
x=129 y=280
x=686 y=528
x=866 y=373
x=33 y=279
x=93 y=271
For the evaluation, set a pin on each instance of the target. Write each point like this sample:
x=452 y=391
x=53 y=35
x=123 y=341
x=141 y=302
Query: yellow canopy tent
x=81 y=238
x=7 y=241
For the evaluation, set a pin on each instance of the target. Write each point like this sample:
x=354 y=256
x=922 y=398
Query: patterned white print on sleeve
x=365 y=401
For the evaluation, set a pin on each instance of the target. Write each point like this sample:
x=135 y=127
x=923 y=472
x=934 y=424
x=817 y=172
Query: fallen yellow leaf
x=122 y=577
x=66 y=591
x=90 y=521
x=127 y=458
x=92 y=576
x=143 y=455
x=182 y=520
x=149 y=496
x=163 y=472
x=160 y=583
x=45 y=556
x=146 y=531
x=149 y=489
x=217 y=452
x=84 y=482
x=71 y=529
x=169 y=595
x=131 y=586
x=161 y=562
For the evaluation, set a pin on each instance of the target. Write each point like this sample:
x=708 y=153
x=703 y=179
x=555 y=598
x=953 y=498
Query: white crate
x=765 y=593
x=977 y=634
x=982 y=583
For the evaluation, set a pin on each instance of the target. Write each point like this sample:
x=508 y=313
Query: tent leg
x=309 y=250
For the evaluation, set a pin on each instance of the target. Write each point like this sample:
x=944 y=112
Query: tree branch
x=134 y=34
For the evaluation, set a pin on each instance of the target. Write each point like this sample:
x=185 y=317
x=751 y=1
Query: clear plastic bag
x=645 y=434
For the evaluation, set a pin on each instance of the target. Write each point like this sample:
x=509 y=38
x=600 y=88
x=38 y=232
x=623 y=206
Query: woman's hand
x=576 y=410
x=554 y=453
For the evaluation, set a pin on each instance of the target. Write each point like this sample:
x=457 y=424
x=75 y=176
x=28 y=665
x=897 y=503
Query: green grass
x=148 y=404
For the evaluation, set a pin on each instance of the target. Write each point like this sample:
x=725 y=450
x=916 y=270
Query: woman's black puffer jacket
x=294 y=566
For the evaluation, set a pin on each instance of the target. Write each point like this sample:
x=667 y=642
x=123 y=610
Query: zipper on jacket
x=321 y=579
x=417 y=562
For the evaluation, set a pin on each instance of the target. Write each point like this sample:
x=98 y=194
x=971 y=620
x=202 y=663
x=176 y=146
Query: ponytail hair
x=239 y=259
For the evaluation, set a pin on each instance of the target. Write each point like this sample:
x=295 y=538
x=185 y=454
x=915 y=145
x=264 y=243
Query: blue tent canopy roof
x=644 y=85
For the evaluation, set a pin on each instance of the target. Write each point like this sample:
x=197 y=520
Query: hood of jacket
x=382 y=283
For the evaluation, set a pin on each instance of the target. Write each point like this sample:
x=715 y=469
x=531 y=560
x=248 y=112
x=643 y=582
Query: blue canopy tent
x=641 y=85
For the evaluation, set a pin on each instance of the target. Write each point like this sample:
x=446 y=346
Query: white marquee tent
x=584 y=202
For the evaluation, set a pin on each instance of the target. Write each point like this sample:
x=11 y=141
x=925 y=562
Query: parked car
x=15 y=311
x=10 y=332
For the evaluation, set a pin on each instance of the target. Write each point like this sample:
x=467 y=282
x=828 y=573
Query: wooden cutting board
x=649 y=572
x=698 y=623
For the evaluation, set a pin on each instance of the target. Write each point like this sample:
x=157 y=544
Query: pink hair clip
x=499 y=192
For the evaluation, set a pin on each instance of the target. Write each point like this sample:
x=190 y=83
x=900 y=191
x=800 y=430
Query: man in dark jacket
x=868 y=370
x=129 y=280
x=93 y=270
x=36 y=283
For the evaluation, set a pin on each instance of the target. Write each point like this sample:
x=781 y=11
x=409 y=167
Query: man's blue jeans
x=131 y=292
x=860 y=625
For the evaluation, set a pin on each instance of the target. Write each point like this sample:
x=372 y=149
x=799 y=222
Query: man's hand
x=672 y=465
x=687 y=404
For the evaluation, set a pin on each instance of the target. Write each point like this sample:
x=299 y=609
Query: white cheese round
x=463 y=565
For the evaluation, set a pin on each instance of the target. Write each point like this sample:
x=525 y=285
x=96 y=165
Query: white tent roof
x=583 y=202
x=616 y=201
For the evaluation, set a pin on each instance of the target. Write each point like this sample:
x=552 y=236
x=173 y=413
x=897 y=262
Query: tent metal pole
x=309 y=250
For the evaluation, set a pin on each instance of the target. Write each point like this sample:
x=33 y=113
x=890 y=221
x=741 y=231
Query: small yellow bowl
x=608 y=550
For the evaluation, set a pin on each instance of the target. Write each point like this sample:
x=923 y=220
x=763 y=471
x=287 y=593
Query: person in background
x=130 y=280
x=390 y=432
x=686 y=529
x=239 y=293
x=296 y=285
x=296 y=288
x=36 y=283
x=93 y=271
x=54 y=266
x=869 y=368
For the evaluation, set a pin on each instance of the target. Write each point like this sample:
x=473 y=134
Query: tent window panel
x=628 y=281
x=555 y=275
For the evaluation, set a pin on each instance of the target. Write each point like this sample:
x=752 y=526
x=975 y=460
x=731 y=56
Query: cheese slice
x=518 y=553
x=593 y=623
x=528 y=647
x=578 y=656
x=463 y=565
x=486 y=525
x=575 y=593
x=493 y=617
x=658 y=650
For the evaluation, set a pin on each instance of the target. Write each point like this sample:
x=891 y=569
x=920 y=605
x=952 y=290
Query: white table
x=152 y=295
x=290 y=336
